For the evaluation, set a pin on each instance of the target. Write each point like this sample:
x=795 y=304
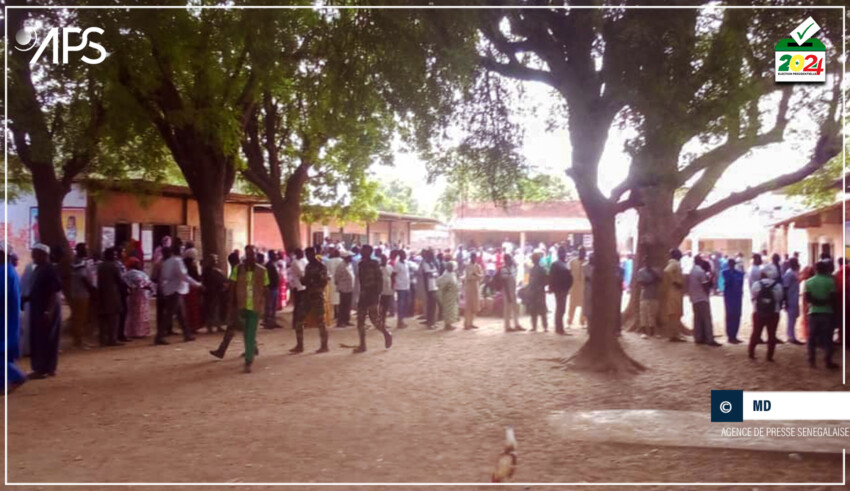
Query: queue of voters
x=333 y=285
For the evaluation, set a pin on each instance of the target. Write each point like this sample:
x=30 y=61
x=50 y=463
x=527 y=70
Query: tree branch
x=828 y=146
x=718 y=160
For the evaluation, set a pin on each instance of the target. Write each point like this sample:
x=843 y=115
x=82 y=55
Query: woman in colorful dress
x=138 y=316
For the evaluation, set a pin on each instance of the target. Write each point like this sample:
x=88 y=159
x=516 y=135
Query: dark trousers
x=733 y=317
x=385 y=309
x=370 y=311
x=304 y=305
x=560 y=310
x=160 y=311
x=344 y=315
x=703 y=330
x=122 y=319
x=174 y=307
x=108 y=332
x=430 y=308
x=762 y=321
x=44 y=345
x=401 y=305
x=820 y=334
x=271 y=306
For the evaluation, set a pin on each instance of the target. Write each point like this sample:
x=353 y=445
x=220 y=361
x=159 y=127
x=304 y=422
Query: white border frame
x=424 y=7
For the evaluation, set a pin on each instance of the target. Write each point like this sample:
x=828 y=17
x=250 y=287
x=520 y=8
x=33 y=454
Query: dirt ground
x=431 y=409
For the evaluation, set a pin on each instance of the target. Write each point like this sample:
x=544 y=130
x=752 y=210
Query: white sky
x=549 y=152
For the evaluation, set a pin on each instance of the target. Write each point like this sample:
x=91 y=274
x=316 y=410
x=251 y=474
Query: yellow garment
x=245 y=295
x=672 y=294
x=471 y=281
x=672 y=289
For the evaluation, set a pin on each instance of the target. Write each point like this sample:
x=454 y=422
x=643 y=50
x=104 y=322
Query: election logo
x=801 y=58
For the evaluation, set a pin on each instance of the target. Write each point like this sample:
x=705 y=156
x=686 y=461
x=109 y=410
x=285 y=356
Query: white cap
x=41 y=247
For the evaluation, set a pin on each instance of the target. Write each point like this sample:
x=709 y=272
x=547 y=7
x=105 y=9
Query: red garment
x=192 y=303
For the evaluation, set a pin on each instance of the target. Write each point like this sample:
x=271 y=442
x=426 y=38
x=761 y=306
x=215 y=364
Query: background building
x=483 y=224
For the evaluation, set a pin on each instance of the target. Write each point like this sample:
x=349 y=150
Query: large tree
x=667 y=72
x=191 y=73
x=695 y=124
x=321 y=121
x=57 y=118
x=335 y=87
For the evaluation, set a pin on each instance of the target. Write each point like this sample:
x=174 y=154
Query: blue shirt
x=13 y=315
x=733 y=284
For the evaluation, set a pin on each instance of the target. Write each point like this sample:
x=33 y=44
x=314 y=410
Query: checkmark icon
x=800 y=35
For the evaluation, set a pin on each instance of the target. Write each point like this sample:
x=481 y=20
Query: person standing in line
x=15 y=378
x=429 y=274
x=576 y=266
x=791 y=285
x=536 y=293
x=109 y=282
x=449 y=290
x=82 y=289
x=175 y=284
x=250 y=285
x=472 y=275
x=370 y=290
x=560 y=282
x=733 y=299
x=295 y=275
x=312 y=302
x=344 y=283
x=840 y=277
x=214 y=294
x=699 y=285
x=270 y=319
x=26 y=311
x=755 y=271
x=820 y=295
x=767 y=295
x=387 y=292
x=46 y=314
x=587 y=271
x=355 y=262
x=334 y=260
x=192 y=307
x=401 y=283
x=510 y=307
x=649 y=279
x=139 y=286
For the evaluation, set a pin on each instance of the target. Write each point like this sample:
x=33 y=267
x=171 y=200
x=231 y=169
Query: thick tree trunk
x=211 y=214
x=656 y=236
x=658 y=232
x=602 y=352
x=210 y=182
x=49 y=195
x=288 y=217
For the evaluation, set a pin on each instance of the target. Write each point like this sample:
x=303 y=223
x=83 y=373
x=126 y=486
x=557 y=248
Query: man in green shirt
x=820 y=293
x=250 y=282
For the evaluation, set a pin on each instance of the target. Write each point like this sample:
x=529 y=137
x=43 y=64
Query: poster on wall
x=147 y=243
x=73 y=222
x=107 y=237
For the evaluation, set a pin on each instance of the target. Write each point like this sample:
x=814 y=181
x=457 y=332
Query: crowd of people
x=326 y=282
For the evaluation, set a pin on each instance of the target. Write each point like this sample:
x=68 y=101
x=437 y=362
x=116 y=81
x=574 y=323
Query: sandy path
x=432 y=409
